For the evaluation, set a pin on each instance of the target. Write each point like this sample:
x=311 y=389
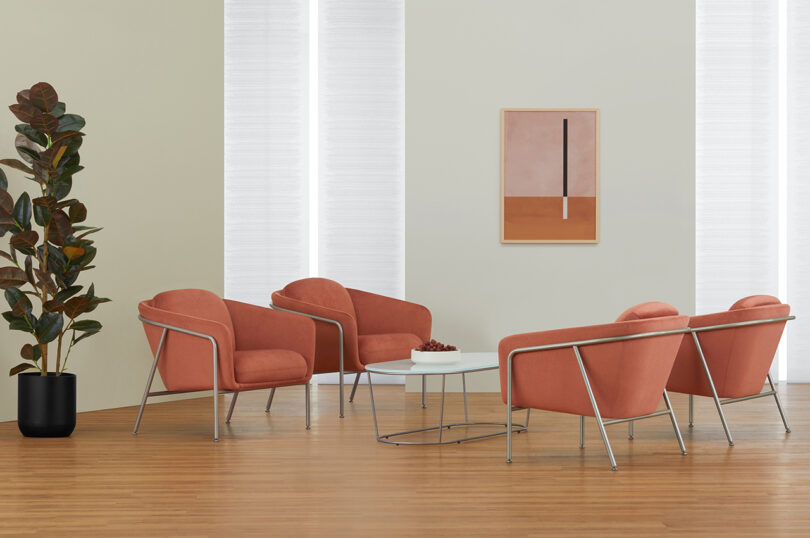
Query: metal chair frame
x=341 y=370
x=599 y=421
x=717 y=401
x=215 y=355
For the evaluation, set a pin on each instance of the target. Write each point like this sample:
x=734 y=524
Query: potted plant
x=43 y=264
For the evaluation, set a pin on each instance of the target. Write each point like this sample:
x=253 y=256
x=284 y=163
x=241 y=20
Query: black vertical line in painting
x=565 y=156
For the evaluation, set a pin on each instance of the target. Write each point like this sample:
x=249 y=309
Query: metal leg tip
x=341 y=416
x=227 y=422
x=216 y=440
x=267 y=410
x=731 y=443
x=630 y=437
x=307 y=427
x=508 y=461
x=614 y=468
x=691 y=425
x=787 y=430
x=684 y=452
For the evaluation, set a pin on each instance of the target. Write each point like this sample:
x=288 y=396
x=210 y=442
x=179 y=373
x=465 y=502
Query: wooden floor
x=269 y=477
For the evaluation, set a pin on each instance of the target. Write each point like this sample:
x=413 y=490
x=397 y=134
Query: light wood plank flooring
x=269 y=477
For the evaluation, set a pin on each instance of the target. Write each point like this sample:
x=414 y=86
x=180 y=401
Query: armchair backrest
x=322 y=292
x=186 y=361
x=327 y=299
x=739 y=357
x=627 y=377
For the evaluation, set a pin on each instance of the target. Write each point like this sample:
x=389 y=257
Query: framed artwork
x=549 y=175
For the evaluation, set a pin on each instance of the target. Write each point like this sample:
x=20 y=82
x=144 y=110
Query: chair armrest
x=257 y=327
x=189 y=349
x=378 y=314
x=347 y=322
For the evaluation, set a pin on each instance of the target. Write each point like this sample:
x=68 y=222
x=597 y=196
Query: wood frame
x=503 y=142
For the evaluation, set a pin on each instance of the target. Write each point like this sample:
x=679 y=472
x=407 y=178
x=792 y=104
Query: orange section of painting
x=539 y=218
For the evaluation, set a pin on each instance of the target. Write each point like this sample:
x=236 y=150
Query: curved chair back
x=331 y=296
x=627 y=377
x=738 y=357
x=185 y=362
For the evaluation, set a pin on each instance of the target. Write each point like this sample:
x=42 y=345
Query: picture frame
x=549 y=175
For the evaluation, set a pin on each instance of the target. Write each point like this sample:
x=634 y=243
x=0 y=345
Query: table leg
x=441 y=411
x=464 y=388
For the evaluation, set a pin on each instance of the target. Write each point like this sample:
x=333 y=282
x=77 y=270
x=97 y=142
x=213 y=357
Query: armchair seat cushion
x=275 y=366
x=386 y=347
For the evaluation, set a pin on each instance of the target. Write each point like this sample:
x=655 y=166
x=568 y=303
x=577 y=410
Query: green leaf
x=11 y=277
x=86 y=325
x=3 y=180
x=60 y=228
x=63 y=187
x=60 y=137
x=77 y=212
x=23 y=366
x=6 y=204
x=29 y=271
x=70 y=122
x=21 y=323
x=30 y=353
x=58 y=110
x=43 y=96
x=48 y=327
x=25 y=242
x=85 y=335
x=45 y=123
x=6 y=255
x=32 y=134
x=77 y=306
x=18 y=301
x=67 y=293
x=19 y=165
x=25 y=111
x=23 y=211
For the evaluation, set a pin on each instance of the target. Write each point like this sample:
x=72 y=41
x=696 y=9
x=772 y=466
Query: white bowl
x=435 y=357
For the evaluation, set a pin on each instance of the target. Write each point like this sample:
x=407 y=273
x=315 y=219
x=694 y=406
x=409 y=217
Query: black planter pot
x=46 y=405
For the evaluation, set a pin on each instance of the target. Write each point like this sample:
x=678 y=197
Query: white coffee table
x=469 y=362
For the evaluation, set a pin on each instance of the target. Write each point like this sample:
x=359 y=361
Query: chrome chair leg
x=149 y=381
x=674 y=423
x=373 y=408
x=270 y=400
x=230 y=409
x=630 y=430
x=595 y=409
x=714 y=392
x=354 y=388
x=691 y=411
x=307 y=397
x=779 y=404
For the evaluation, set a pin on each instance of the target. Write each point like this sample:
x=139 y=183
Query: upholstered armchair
x=202 y=342
x=618 y=370
x=728 y=355
x=354 y=328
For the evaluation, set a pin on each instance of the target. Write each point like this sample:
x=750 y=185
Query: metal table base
x=388 y=438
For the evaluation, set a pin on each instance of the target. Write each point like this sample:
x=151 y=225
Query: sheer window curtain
x=314 y=145
x=798 y=187
x=741 y=248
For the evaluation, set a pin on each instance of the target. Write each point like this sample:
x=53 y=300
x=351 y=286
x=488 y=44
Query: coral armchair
x=353 y=327
x=202 y=342
x=728 y=354
x=618 y=370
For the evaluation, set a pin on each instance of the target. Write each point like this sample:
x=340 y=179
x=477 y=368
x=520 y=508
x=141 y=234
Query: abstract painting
x=549 y=175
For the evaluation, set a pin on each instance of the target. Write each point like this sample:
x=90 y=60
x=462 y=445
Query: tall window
x=314 y=149
x=753 y=175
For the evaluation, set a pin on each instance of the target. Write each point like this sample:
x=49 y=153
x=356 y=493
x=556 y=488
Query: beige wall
x=465 y=60
x=148 y=77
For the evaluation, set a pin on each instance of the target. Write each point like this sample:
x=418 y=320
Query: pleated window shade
x=359 y=113
x=798 y=188
x=266 y=153
x=361 y=145
x=737 y=154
